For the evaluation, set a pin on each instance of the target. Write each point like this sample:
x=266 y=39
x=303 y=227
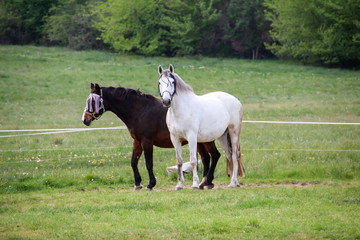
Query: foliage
x=69 y=24
x=22 y=20
x=320 y=31
x=127 y=25
x=245 y=27
x=154 y=27
x=10 y=28
x=190 y=24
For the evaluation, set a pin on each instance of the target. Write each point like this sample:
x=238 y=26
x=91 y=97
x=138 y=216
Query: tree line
x=313 y=31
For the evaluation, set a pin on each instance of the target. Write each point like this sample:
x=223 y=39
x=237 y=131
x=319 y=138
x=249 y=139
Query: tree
x=154 y=27
x=70 y=24
x=320 y=31
x=245 y=27
x=128 y=26
x=23 y=19
x=190 y=23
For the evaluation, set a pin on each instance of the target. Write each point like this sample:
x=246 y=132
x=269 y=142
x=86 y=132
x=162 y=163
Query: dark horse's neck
x=126 y=103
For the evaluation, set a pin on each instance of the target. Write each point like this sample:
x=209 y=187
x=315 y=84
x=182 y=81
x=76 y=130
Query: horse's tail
x=241 y=169
x=229 y=163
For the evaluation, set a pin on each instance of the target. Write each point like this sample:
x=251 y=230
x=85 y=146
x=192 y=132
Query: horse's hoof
x=203 y=183
x=211 y=186
x=195 y=188
x=150 y=186
x=234 y=185
x=138 y=188
x=178 y=188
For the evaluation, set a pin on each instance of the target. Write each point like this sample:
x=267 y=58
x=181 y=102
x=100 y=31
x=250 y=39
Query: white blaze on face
x=83 y=117
x=166 y=96
x=166 y=88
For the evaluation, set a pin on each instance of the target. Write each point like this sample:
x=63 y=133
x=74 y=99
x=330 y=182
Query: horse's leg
x=234 y=179
x=179 y=161
x=215 y=155
x=205 y=158
x=224 y=142
x=137 y=151
x=236 y=156
x=193 y=161
x=148 y=152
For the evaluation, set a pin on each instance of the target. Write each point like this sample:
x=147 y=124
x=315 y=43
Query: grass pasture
x=302 y=181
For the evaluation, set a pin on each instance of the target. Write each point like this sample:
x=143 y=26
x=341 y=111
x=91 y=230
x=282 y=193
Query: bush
x=245 y=27
x=21 y=21
x=69 y=24
x=320 y=31
x=154 y=27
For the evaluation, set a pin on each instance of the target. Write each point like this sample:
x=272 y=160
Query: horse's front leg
x=137 y=151
x=148 y=152
x=179 y=161
x=193 y=161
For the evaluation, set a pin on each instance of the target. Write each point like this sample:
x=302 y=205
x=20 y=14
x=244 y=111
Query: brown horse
x=144 y=117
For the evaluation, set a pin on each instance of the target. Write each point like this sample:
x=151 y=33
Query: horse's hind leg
x=234 y=156
x=148 y=152
x=225 y=144
x=238 y=168
x=215 y=155
x=205 y=158
x=137 y=151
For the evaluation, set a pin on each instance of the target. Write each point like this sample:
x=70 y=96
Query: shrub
x=69 y=24
x=154 y=27
x=320 y=31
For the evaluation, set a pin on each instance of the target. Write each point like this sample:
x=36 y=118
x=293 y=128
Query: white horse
x=215 y=115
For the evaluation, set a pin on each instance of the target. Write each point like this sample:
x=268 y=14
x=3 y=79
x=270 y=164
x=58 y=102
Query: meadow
x=302 y=181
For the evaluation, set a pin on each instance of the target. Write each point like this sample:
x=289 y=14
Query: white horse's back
x=216 y=110
x=230 y=102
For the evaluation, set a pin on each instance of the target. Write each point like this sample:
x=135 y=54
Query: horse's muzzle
x=86 y=119
x=87 y=123
x=166 y=103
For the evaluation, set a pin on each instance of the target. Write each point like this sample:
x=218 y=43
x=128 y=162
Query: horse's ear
x=171 y=68
x=92 y=88
x=160 y=69
x=97 y=88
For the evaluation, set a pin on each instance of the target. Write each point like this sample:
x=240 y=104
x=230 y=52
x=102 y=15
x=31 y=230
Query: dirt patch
x=251 y=185
x=225 y=186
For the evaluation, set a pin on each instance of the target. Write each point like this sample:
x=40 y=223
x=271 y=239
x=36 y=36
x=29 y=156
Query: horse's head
x=167 y=85
x=94 y=105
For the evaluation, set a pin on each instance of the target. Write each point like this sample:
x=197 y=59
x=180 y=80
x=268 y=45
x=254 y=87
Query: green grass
x=278 y=212
x=79 y=185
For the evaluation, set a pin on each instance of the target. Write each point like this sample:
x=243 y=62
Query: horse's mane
x=128 y=92
x=180 y=84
